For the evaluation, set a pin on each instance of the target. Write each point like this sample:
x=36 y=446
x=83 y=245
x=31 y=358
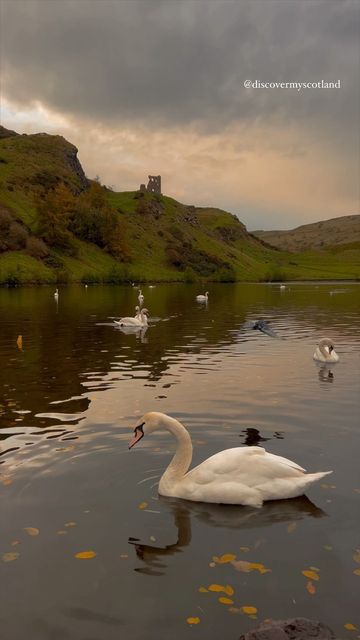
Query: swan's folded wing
x=249 y=465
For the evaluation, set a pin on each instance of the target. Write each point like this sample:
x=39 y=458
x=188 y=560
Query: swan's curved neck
x=183 y=454
x=326 y=352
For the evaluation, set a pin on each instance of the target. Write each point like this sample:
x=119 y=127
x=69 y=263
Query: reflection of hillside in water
x=226 y=517
x=71 y=347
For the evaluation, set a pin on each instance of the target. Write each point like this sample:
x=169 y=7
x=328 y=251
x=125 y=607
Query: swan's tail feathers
x=290 y=487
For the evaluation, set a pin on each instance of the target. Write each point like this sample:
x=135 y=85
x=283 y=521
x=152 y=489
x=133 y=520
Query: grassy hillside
x=162 y=239
x=318 y=235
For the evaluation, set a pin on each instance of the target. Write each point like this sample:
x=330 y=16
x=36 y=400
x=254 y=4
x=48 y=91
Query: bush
x=16 y=237
x=36 y=248
x=226 y=274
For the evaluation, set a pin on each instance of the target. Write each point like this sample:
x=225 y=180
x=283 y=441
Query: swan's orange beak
x=139 y=433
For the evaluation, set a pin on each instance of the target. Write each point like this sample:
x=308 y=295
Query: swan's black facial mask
x=138 y=434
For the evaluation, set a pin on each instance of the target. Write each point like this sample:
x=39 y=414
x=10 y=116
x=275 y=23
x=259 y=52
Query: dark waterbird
x=263 y=326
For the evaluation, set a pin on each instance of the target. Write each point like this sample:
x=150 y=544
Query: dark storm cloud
x=182 y=61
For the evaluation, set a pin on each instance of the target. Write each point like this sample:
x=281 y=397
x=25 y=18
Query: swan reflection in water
x=138 y=332
x=218 y=516
x=325 y=374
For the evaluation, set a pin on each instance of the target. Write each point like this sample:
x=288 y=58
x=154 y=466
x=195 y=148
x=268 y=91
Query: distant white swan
x=244 y=475
x=141 y=297
x=139 y=320
x=282 y=287
x=325 y=351
x=203 y=298
x=56 y=294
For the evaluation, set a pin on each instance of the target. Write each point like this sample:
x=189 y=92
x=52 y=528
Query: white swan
x=203 y=298
x=139 y=320
x=56 y=294
x=325 y=351
x=141 y=297
x=282 y=287
x=244 y=475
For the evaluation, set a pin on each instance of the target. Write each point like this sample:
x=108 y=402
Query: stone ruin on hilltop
x=153 y=186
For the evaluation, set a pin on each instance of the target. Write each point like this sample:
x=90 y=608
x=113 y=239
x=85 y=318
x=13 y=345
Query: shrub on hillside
x=36 y=248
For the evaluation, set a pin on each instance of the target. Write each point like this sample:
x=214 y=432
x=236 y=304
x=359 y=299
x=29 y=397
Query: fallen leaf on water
x=6 y=481
x=212 y=564
x=249 y=610
x=234 y=610
x=246 y=567
x=225 y=600
x=244 y=549
x=32 y=531
x=10 y=557
x=226 y=557
x=19 y=342
x=15 y=543
x=62 y=533
x=124 y=555
x=220 y=587
x=143 y=505
x=357 y=572
x=350 y=627
x=203 y=590
x=315 y=569
x=193 y=620
x=85 y=555
x=328 y=547
x=70 y=524
x=312 y=575
x=291 y=527
x=310 y=587
x=356 y=556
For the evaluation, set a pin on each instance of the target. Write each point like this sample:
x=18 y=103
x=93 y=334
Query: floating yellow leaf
x=203 y=590
x=356 y=556
x=234 y=610
x=249 y=610
x=220 y=587
x=6 y=481
x=310 y=574
x=32 y=531
x=225 y=600
x=244 y=549
x=193 y=620
x=85 y=555
x=357 y=572
x=310 y=587
x=10 y=557
x=62 y=533
x=291 y=527
x=226 y=557
x=350 y=627
x=143 y=505
x=124 y=555
x=315 y=569
x=328 y=547
x=19 y=342
x=70 y=524
x=246 y=567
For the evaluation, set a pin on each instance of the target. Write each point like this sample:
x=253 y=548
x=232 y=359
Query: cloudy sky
x=158 y=87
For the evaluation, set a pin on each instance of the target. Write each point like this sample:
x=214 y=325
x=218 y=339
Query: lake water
x=70 y=397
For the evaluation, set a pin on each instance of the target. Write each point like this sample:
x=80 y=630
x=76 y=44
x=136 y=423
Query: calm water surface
x=68 y=398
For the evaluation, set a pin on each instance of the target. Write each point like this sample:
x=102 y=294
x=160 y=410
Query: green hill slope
x=317 y=235
x=160 y=239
